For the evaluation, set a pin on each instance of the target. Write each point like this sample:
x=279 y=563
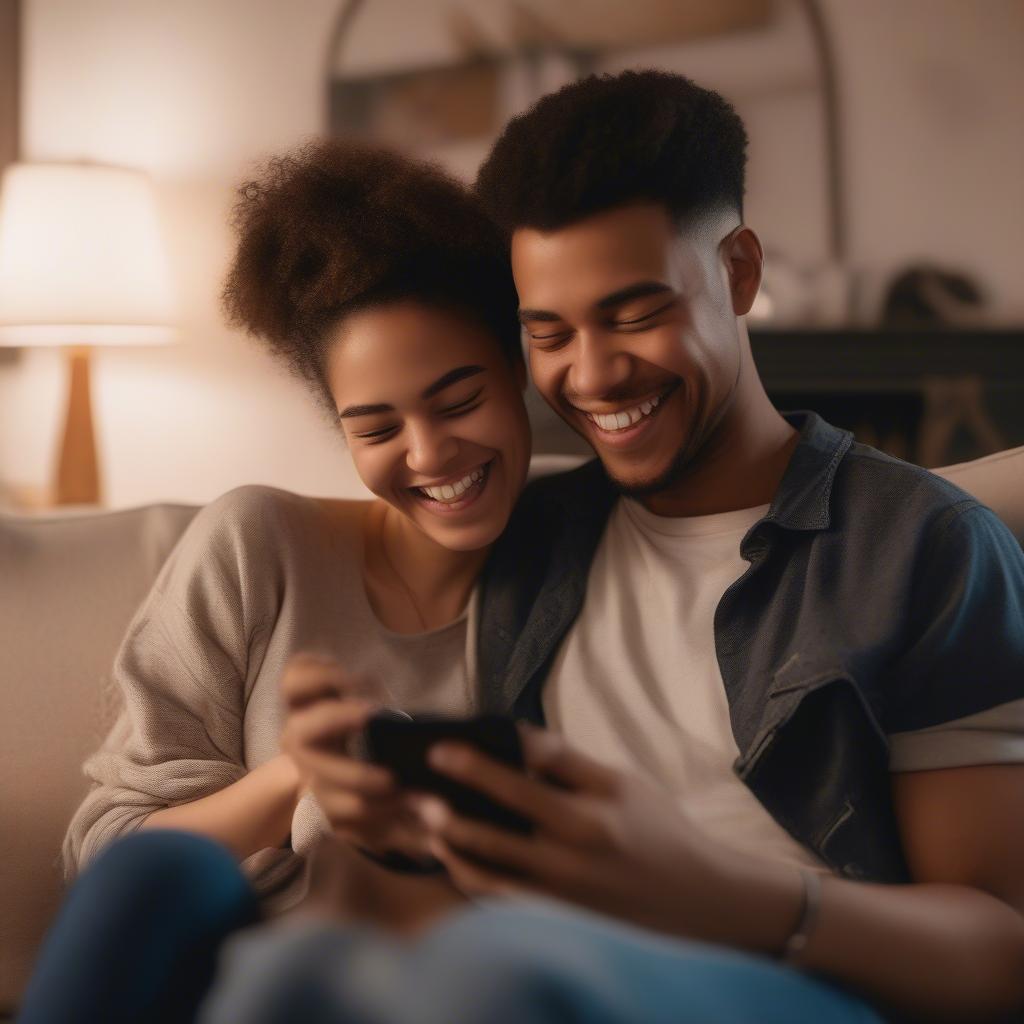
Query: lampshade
x=81 y=258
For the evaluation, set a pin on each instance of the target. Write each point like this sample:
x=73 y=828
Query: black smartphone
x=401 y=743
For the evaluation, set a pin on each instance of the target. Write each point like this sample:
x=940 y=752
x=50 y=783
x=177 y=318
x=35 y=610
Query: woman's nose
x=431 y=450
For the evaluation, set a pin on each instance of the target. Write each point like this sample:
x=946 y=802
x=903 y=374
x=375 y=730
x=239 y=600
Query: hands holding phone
x=327 y=710
x=602 y=838
x=523 y=815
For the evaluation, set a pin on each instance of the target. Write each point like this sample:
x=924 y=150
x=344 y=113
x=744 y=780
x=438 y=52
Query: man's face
x=632 y=336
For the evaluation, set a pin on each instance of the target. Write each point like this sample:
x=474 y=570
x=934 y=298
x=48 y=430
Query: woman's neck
x=414 y=583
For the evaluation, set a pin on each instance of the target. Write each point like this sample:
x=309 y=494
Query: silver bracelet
x=797 y=942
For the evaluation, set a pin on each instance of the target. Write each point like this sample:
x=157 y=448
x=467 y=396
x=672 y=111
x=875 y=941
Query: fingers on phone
x=550 y=757
x=328 y=723
x=309 y=677
x=345 y=809
x=355 y=776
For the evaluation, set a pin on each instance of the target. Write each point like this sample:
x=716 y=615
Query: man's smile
x=623 y=426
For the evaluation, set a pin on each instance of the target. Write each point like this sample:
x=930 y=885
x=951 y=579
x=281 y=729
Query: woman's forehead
x=401 y=353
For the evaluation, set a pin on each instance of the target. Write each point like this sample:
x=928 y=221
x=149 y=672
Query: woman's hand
x=325 y=713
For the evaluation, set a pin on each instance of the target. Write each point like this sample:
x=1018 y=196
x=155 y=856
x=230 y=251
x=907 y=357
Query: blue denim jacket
x=879 y=598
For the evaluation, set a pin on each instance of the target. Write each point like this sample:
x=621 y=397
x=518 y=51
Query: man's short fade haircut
x=608 y=140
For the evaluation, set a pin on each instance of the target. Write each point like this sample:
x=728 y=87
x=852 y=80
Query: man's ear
x=744 y=260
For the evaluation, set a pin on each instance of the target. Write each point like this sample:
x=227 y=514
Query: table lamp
x=82 y=263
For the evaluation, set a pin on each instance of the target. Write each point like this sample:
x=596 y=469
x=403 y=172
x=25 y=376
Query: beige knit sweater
x=258 y=575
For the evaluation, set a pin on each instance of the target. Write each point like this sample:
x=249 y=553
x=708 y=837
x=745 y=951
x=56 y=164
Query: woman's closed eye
x=553 y=341
x=376 y=436
x=466 y=405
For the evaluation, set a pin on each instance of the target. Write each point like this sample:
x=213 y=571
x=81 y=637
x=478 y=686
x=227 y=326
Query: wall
x=196 y=91
x=935 y=136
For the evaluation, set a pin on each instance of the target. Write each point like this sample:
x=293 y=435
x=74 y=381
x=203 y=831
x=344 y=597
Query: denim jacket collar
x=803 y=500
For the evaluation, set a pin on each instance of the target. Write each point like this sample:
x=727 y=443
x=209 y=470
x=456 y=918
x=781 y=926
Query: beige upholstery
x=68 y=587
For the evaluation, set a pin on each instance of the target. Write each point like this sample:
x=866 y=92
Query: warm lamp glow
x=81 y=264
x=81 y=258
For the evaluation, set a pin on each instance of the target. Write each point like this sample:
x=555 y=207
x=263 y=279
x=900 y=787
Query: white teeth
x=451 y=492
x=621 y=420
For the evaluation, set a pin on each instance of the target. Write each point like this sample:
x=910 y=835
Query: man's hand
x=325 y=712
x=603 y=839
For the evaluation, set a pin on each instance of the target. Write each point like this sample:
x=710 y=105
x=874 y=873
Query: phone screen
x=401 y=744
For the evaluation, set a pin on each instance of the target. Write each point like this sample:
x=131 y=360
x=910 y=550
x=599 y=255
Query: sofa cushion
x=68 y=587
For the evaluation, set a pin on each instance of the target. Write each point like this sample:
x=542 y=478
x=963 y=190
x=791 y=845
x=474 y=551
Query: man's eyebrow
x=450 y=378
x=537 y=315
x=633 y=291
x=639 y=290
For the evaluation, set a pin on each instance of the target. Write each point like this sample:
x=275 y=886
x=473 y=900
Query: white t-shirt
x=618 y=689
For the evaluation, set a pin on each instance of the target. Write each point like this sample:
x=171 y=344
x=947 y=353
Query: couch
x=68 y=587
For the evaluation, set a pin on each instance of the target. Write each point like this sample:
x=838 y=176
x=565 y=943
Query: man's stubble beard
x=687 y=458
x=674 y=474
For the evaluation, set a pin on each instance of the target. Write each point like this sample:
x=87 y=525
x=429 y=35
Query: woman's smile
x=455 y=493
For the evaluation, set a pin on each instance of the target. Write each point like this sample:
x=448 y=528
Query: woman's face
x=434 y=418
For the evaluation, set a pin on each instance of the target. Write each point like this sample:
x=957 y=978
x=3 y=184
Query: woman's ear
x=744 y=260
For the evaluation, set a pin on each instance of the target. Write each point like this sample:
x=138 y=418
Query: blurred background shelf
x=880 y=360
x=934 y=396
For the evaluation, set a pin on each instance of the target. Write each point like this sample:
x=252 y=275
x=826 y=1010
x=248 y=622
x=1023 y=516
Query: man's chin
x=645 y=484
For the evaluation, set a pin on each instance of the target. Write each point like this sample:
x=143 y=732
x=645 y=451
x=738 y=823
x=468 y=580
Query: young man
x=782 y=673
x=816 y=650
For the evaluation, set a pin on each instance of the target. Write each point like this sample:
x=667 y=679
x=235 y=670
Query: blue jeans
x=138 y=936
x=522 y=962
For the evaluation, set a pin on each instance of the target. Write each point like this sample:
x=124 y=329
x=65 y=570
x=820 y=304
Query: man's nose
x=599 y=366
x=431 y=449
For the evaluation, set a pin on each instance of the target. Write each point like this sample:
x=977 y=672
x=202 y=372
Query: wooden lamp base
x=78 y=478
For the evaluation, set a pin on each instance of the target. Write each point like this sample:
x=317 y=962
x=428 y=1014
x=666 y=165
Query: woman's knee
x=160 y=870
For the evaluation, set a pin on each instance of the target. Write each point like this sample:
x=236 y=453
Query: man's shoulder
x=589 y=474
x=555 y=526
x=871 y=483
x=584 y=491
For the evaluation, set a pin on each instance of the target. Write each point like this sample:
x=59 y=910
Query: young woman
x=380 y=284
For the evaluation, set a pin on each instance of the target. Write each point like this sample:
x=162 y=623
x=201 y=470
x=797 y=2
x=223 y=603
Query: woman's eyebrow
x=450 y=378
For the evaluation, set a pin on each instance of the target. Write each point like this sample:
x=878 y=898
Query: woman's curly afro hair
x=611 y=139
x=333 y=228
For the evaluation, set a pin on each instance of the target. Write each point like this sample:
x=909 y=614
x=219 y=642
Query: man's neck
x=740 y=466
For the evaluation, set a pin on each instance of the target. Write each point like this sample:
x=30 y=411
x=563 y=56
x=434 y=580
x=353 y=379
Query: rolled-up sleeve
x=959 y=685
